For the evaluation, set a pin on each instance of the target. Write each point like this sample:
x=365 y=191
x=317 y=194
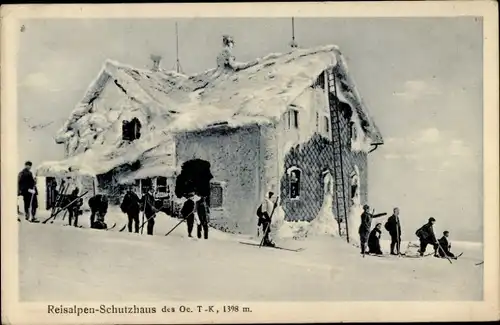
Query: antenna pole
x=177 y=63
x=293 y=43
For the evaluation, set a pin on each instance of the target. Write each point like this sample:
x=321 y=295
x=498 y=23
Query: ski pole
x=65 y=207
x=177 y=225
x=446 y=255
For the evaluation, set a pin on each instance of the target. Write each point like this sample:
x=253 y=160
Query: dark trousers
x=363 y=239
x=190 y=223
x=445 y=252
x=133 y=217
x=92 y=217
x=203 y=226
x=424 y=243
x=30 y=205
x=266 y=228
x=151 y=225
x=395 y=243
x=73 y=213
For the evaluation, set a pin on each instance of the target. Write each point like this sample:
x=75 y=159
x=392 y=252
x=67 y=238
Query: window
x=216 y=195
x=161 y=185
x=293 y=119
x=146 y=184
x=326 y=124
x=320 y=82
x=294 y=175
x=353 y=131
x=131 y=130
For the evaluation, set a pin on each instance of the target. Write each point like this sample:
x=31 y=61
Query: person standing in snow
x=266 y=211
x=74 y=204
x=203 y=213
x=426 y=236
x=374 y=240
x=445 y=246
x=148 y=203
x=98 y=208
x=187 y=212
x=393 y=226
x=365 y=227
x=26 y=184
x=131 y=206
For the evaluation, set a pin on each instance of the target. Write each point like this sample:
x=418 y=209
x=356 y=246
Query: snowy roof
x=174 y=102
x=263 y=92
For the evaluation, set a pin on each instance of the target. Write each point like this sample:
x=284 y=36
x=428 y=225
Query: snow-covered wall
x=234 y=156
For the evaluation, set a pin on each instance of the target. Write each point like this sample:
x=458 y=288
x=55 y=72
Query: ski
x=114 y=225
x=123 y=228
x=276 y=247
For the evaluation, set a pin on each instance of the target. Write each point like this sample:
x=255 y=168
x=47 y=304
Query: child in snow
x=203 y=213
x=366 y=223
x=188 y=211
x=26 y=185
x=426 y=236
x=445 y=246
x=374 y=240
x=74 y=204
x=98 y=208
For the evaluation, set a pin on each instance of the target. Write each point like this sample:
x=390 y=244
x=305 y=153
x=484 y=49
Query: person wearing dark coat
x=74 y=204
x=148 y=203
x=131 y=205
x=445 y=246
x=426 y=236
x=374 y=240
x=366 y=224
x=98 y=208
x=203 y=213
x=187 y=212
x=393 y=226
x=26 y=184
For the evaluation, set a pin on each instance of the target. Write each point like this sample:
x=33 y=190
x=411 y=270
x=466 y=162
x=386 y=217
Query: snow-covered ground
x=79 y=264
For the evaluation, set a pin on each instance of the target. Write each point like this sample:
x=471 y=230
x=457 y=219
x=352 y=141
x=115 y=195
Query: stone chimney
x=156 y=59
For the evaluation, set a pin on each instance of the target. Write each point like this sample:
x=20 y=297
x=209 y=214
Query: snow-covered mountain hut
x=291 y=123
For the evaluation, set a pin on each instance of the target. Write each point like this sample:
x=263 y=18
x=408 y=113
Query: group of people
x=194 y=209
x=425 y=235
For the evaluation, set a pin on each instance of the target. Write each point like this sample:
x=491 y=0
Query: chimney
x=156 y=59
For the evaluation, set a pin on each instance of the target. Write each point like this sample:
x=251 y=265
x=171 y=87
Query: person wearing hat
x=26 y=185
x=267 y=208
x=365 y=227
x=374 y=240
x=131 y=205
x=427 y=237
x=445 y=246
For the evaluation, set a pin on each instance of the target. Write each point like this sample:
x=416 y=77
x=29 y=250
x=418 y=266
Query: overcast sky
x=421 y=79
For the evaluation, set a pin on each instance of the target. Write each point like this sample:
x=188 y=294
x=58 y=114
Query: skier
x=374 y=240
x=203 y=215
x=426 y=236
x=131 y=206
x=75 y=204
x=98 y=208
x=393 y=226
x=366 y=223
x=445 y=246
x=188 y=211
x=27 y=189
x=148 y=204
x=267 y=209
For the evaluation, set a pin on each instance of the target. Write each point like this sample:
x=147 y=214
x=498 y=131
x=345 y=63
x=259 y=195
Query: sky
x=421 y=79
